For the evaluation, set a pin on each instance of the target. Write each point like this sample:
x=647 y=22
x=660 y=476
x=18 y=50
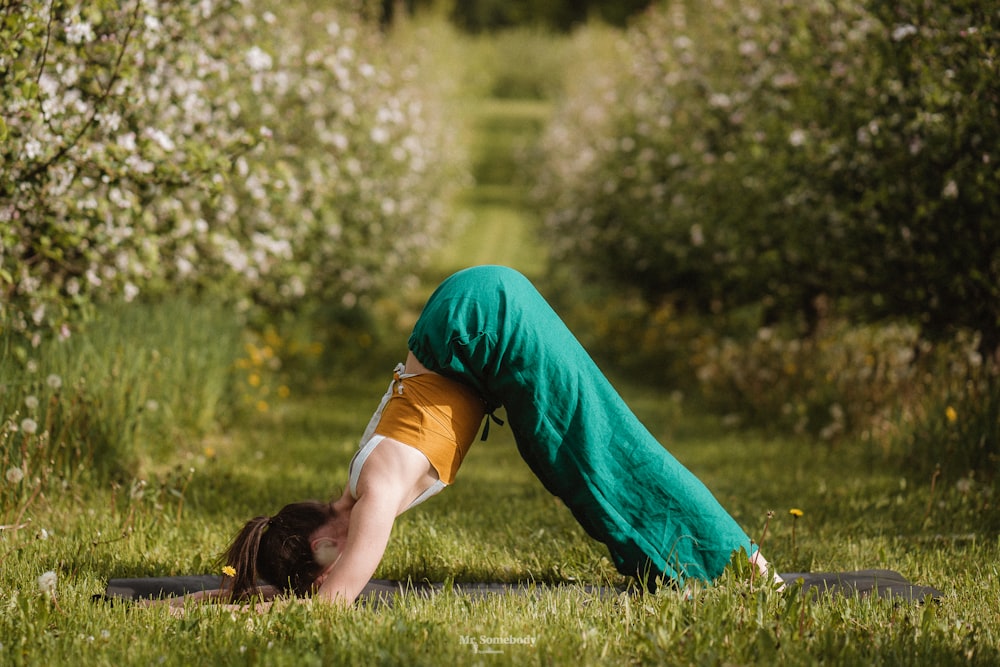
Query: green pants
x=488 y=326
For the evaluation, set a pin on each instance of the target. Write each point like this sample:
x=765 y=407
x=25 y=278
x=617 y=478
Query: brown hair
x=276 y=550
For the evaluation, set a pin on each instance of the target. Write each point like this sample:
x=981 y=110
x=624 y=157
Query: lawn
x=498 y=524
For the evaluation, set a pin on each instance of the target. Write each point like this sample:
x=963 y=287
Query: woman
x=486 y=338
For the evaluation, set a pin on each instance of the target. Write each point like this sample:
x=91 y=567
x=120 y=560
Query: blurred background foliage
x=786 y=212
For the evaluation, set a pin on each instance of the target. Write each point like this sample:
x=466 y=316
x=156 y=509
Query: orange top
x=436 y=415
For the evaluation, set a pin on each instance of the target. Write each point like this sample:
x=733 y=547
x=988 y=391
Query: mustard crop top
x=436 y=415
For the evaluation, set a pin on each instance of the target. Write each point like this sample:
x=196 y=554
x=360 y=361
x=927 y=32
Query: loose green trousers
x=489 y=327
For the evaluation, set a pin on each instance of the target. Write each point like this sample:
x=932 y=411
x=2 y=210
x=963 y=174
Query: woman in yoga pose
x=486 y=338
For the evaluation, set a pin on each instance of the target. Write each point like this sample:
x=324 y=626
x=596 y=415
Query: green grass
x=497 y=524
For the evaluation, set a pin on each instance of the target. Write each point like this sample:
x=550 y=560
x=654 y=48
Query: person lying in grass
x=486 y=338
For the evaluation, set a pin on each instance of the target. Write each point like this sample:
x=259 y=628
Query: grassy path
x=493 y=222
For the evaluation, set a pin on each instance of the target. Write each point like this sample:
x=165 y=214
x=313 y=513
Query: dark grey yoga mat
x=883 y=583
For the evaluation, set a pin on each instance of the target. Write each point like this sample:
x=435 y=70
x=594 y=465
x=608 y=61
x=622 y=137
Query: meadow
x=498 y=524
x=138 y=445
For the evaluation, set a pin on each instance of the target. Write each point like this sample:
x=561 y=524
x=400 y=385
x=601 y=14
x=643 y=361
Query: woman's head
x=278 y=549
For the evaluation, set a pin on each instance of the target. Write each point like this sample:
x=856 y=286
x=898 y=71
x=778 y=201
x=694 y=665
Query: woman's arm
x=393 y=476
x=371 y=524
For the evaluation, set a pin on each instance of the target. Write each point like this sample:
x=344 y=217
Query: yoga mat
x=882 y=583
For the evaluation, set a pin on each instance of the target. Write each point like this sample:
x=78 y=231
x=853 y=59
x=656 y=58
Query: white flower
x=78 y=33
x=32 y=149
x=29 y=426
x=902 y=31
x=54 y=381
x=258 y=60
x=950 y=190
x=14 y=475
x=31 y=402
x=720 y=101
x=797 y=137
x=47 y=583
x=161 y=138
x=131 y=291
x=152 y=24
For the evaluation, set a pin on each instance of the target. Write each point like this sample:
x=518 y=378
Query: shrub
x=926 y=406
x=841 y=382
x=774 y=152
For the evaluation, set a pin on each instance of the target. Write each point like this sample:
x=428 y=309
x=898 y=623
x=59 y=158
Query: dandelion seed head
x=47 y=582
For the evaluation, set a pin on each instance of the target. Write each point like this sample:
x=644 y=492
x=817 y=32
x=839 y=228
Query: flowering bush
x=841 y=382
x=270 y=151
x=925 y=405
x=775 y=151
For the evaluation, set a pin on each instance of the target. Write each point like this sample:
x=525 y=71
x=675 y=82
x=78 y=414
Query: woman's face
x=327 y=542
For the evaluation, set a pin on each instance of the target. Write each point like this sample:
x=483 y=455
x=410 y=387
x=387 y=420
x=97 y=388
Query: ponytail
x=242 y=555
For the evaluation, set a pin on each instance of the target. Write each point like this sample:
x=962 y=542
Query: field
x=288 y=434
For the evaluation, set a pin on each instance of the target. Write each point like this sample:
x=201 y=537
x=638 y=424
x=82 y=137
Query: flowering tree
x=776 y=151
x=260 y=148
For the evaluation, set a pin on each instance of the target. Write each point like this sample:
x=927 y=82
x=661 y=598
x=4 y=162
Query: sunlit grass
x=497 y=524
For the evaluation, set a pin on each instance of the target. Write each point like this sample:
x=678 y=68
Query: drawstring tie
x=490 y=417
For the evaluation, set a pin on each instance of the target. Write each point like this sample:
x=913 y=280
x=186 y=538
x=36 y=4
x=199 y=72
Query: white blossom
x=14 y=475
x=902 y=31
x=258 y=60
x=79 y=32
x=131 y=291
x=47 y=583
x=161 y=138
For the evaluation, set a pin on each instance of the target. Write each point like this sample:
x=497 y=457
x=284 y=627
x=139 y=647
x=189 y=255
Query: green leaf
x=3 y=129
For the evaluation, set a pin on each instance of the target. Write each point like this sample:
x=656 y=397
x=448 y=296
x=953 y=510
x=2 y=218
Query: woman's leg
x=488 y=326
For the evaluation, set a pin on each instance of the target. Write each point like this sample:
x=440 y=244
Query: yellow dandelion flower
x=210 y=452
x=254 y=380
x=284 y=391
x=951 y=414
x=262 y=406
x=796 y=512
x=229 y=571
